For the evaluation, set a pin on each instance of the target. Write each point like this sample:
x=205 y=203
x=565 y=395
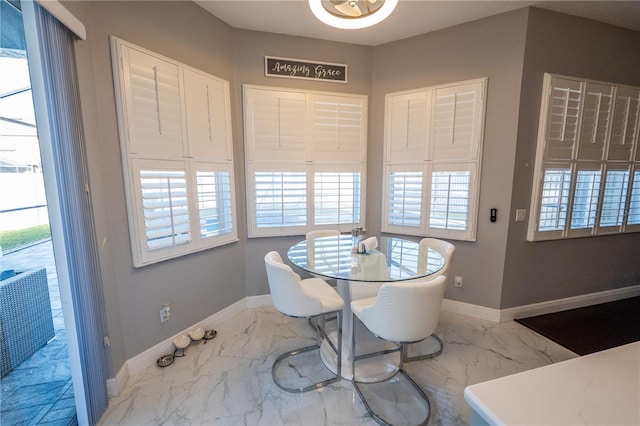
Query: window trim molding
x=302 y=162
x=604 y=164
x=130 y=161
x=428 y=163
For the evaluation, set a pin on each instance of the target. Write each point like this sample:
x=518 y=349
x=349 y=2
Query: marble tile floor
x=227 y=381
x=39 y=390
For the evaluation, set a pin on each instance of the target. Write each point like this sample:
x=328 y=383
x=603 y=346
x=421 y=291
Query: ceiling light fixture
x=352 y=14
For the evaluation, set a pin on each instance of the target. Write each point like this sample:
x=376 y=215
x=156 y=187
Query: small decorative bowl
x=165 y=360
x=209 y=334
x=196 y=334
x=181 y=342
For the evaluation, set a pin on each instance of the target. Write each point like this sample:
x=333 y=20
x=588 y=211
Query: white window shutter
x=207 y=104
x=562 y=114
x=614 y=199
x=305 y=160
x=404 y=199
x=277 y=200
x=175 y=139
x=586 y=196
x=406 y=121
x=163 y=218
x=452 y=201
x=626 y=119
x=633 y=217
x=456 y=122
x=590 y=191
x=153 y=100
x=215 y=203
x=275 y=125
x=339 y=128
x=596 y=121
x=338 y=196
x=554 y=198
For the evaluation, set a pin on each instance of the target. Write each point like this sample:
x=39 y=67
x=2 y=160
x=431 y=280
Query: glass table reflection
x=395 y=259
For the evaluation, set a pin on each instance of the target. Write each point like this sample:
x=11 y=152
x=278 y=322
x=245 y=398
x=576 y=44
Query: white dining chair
x=402 y=313
x=298 y=298
x=445 y=248
x=447 y=251
x=311 y=236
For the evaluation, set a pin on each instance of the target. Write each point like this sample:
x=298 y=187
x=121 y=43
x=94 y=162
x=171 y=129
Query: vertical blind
x=61 y=94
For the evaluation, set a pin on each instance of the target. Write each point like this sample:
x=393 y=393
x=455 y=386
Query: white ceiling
x=411 y=17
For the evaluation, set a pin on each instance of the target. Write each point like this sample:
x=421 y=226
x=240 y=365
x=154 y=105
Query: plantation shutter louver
x=596 y=121
x=554 y=202
x=456 y=121
x=614 y=199
x=177 y=158
x=588 y=132
x=153 y=97
x=407 y=129
x=564 y=104
x=165 y=207
x=624 y=128
x=278 y=126
x=208 y=116
x=338 y=128
x=633 y=218
x=585 y=199
x=305 y=160
x=433 y=144
x=405 y=198
x=337 y=198
x=280 y=198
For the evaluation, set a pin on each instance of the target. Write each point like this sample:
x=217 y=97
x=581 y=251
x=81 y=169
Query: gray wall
x=493 y=48
x=197 y=285
x=549 y=270
x=498 y=269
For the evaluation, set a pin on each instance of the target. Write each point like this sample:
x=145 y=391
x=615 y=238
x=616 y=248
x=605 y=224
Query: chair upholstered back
x=311 y=244
x=446 y=249
x=404 y=312
x=287 y=295
x=312 y=235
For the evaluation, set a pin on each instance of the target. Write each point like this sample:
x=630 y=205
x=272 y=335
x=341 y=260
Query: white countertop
x=597 y=389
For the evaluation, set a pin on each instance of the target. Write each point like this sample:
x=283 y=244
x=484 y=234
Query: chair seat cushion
x=358 y=305
x=321 y=291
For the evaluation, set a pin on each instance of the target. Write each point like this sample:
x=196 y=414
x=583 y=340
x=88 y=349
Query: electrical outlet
x=165 y=312
x=458 y=282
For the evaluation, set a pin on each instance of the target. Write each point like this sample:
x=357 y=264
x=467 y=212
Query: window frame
x=319 y=120
x=604 y=158
x=157 y=152
x=426 y=153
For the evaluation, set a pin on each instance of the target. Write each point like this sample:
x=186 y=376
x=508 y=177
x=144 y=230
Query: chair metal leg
x=427 y=356
x=403 y=350
x=313 y=325
x=320 y=334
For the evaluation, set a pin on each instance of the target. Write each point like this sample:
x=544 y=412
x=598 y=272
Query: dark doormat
x=592 y=328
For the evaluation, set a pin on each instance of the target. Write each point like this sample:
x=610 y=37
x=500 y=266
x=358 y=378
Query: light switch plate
x=521 y=215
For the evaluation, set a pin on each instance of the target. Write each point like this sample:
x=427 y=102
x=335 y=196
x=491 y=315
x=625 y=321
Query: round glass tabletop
x=394 y=259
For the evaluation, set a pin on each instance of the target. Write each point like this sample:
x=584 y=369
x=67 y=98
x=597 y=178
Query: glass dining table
x=394 y=259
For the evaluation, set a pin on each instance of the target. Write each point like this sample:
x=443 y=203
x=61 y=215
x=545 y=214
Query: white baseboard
x=569 y=303
x=148 y=358
x=474 y=311
x=116 y=384
x=259 y=301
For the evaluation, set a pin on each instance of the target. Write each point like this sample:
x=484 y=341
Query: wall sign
x=295 y=68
